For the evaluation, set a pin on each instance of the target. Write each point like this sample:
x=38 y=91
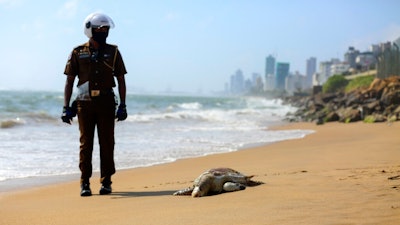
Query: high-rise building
x=311 y=68
x=282 y=71
x=269 y=71
x=270 y=65
x=237 y=82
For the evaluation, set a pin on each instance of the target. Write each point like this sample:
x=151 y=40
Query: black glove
x=69 y=113
x=122 y=114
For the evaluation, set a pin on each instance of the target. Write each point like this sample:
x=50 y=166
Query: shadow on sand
x=129 y=194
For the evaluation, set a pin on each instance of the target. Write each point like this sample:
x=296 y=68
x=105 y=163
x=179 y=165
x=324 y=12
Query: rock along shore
x=380 y=102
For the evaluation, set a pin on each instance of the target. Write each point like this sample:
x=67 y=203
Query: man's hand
x=122 y=114
x=68 y=114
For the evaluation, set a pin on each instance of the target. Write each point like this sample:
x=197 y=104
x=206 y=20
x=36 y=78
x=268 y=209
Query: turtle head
x=202 y=187
x=200 y=191
x=197 y=192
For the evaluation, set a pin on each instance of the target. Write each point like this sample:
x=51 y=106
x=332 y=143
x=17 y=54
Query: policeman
x=95 y=63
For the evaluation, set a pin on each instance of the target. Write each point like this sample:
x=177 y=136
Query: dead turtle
x=218 y=180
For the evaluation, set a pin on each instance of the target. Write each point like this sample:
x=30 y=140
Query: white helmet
x=95 y=20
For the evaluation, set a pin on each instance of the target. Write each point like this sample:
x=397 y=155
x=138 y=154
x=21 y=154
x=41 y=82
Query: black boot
x=85 y=189
x=105 y=189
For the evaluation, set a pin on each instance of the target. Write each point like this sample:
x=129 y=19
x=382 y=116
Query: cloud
x=69 y=9
x=10 y=3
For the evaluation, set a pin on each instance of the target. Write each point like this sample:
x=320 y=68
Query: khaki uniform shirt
x=98 y=68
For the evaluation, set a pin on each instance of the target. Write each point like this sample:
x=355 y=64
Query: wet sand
x=341 y=174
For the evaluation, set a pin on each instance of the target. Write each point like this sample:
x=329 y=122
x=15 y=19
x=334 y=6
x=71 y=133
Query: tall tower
x=270 y=65
x=269 y=72
x=282 y=71
x=310 y=70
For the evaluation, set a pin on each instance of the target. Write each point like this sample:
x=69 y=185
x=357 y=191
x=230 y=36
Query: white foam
x=157 y=131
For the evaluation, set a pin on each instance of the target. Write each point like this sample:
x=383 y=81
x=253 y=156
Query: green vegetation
x=359 y=82
x=334 y=83
x=369 y=119
x=339 y=83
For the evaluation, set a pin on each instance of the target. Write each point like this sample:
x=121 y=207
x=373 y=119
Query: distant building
x=269 y=82
x=311 y=68
x=248 y=84
x=270 y=72
x=237 y=82
x=316 y=79
x=258 y=86
x=295 y=82
x=375 y=49
x=254 y=79
x=365 y=60
x=339 y=68
x=350 y=57
x=282 y=71
x=325 y=70
x=270 y=65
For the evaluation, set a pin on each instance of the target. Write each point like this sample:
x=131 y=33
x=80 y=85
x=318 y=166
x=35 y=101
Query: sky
x=189 y=46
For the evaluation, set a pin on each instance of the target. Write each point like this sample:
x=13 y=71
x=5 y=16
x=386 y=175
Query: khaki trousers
x=100 y=113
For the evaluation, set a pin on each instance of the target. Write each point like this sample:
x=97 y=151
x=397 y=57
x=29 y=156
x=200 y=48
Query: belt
x=97 y=93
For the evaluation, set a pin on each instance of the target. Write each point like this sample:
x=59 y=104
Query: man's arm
x=68 y=113
x=122 y=114
x=69 y=85
x=121 y=88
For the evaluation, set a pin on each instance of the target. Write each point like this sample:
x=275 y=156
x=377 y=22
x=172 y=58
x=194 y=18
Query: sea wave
x=190 y=105
x=31 y=118
x=11 y=123
x=211 y=115
x=180 y=115
x=158 y=129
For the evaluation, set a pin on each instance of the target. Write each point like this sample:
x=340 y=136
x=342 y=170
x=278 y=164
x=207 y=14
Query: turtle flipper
x=232 y=186
x=186 y=191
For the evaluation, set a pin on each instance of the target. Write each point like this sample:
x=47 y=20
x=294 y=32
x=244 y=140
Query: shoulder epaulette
x=84 y=45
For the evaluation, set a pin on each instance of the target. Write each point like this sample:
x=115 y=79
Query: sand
x=341 y=174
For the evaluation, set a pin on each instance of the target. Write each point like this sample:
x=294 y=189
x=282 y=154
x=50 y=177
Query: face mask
x=100 y=37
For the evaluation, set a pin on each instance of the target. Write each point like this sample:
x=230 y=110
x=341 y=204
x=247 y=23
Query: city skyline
x=282 y=78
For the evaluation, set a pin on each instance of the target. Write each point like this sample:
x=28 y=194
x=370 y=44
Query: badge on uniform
x=83 y=55
x=95 y=93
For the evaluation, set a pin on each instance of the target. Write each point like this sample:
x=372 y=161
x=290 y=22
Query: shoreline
x=26 y=183
x=336 y=175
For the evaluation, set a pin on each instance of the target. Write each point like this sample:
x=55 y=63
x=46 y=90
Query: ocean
x=34 y=143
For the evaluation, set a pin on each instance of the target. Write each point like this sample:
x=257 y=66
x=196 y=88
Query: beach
x=340 y=174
